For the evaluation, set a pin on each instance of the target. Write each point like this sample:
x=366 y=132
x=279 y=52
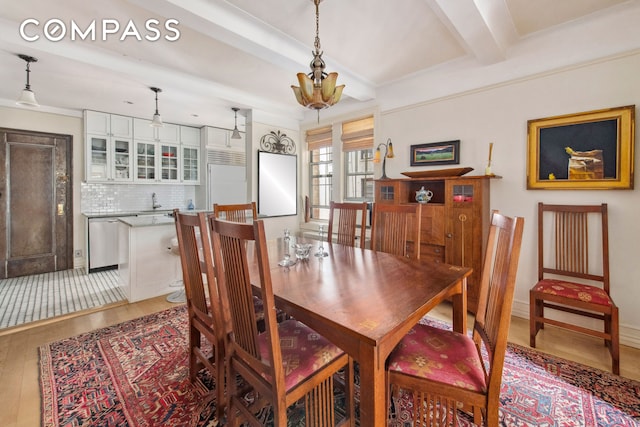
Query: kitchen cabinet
x=190 y=154
x=146 y=265
x=168 y=133
x=109 y=142
x=157 y=162
x=454 y=224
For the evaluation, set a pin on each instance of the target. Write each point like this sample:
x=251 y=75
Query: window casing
x=320 y=181
x=359 y=175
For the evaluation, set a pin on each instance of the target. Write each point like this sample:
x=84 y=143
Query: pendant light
x=157 y=120
x=27 y=97
x=236 y=132
x=317 y=89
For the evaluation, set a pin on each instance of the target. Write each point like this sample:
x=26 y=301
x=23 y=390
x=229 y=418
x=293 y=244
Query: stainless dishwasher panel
x=103 y=243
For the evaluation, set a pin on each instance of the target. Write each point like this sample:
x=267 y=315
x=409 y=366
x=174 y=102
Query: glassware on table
x=287 y=261
x=321 y=252
x=302 y=250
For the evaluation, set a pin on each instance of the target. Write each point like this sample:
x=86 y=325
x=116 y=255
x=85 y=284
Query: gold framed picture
x=592 y=150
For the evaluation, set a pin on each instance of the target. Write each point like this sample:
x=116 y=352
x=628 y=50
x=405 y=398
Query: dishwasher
x=103 y=243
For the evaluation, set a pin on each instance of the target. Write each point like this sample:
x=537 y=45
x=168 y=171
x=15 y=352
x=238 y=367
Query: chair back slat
x=239 y=212
x=491 y=325
x=393 y=227
x=571 y=241
x=189 y=229
x=574 y=239
x=347 y=217
x=237 y=284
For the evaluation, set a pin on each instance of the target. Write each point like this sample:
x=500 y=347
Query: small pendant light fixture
x=236 y=132
x=157 y=120
x=27 y=97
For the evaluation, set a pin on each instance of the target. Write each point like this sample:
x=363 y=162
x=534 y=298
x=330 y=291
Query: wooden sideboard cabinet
x=455 y=223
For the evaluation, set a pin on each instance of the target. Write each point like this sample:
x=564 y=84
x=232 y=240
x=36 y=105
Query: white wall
x=500 y=115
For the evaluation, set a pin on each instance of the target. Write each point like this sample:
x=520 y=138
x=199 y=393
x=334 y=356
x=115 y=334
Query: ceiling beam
x=484 y=27
x=228 y=24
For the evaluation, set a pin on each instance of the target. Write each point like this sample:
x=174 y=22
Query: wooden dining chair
x=396 y=229
x=206 y=321
x=571 y=278
x=236 y=212
x=347 y=216
x=445 y=370
x=286 y=363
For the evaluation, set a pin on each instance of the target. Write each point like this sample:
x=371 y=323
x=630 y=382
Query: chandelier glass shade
x=317 y=88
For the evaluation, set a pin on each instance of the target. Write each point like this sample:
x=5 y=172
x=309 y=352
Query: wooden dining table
x=365 y=302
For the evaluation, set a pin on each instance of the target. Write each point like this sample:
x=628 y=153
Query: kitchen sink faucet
x=154 y=201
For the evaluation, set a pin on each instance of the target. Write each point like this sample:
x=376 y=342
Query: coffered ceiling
x=246 y=53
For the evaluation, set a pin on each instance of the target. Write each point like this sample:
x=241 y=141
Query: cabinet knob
x=449 y=235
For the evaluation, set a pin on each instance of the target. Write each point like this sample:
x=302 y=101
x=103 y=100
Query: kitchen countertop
x=146 y=220
x=125 y=213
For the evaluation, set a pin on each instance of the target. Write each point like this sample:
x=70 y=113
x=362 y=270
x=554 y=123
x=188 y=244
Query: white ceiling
x=246 y=53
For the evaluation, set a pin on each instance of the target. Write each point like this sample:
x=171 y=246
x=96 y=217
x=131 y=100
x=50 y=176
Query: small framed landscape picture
x=436 y=153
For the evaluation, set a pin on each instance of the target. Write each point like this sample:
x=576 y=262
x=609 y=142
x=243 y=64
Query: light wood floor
x=20 y=390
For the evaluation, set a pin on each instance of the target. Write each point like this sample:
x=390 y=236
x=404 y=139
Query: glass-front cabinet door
x=145 y=161
x=169 y=165
x=122 y=160
x=108 y=159
x=190 y=166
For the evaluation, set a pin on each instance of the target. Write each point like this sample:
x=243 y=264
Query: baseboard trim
x=629 y=335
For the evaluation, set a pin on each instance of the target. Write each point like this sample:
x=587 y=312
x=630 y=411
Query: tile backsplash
x=108 y=198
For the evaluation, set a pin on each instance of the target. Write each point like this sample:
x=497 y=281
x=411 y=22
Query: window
x=320 y=171
x=357 y=144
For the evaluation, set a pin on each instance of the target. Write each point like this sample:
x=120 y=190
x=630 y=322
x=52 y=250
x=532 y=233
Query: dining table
x=365 y=301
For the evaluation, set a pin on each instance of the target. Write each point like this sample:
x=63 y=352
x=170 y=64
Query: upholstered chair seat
x=574 y=291
x=439 y=355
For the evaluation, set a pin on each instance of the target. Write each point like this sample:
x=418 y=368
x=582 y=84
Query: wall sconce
x=388 y=152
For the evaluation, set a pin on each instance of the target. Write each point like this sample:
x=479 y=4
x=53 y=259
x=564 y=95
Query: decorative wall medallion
x=276 y=142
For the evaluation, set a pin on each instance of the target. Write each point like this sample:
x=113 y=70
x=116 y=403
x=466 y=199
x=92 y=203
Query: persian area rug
x=136 y=374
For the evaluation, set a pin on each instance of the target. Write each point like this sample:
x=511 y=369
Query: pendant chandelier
x=317 y=89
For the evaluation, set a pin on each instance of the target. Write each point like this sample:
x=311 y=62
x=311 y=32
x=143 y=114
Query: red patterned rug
x=136 y=374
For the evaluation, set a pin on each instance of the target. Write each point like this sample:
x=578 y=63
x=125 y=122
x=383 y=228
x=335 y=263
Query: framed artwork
x=436 y=153
x=590 y=150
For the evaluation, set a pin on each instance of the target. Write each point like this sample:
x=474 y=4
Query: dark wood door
x=36 y=214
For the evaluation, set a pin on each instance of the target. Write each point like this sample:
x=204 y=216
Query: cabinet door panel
x=432 y=225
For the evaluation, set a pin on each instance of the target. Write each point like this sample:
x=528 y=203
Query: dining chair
x=347 y=215
x=446 y=370
x=206 y=321
x=239 y=212
x=396 y=229
x=571 y=277
x=287 y=362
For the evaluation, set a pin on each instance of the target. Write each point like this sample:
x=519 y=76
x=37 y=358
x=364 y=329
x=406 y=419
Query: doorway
x=36 y=212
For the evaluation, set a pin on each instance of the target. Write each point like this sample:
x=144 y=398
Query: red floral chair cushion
x=577 y=291
x=439 y=355
x=304 y=351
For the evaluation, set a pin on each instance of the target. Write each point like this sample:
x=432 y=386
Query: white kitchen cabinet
x=190 y=164
x=145 y=161
x=190 y=135
x=169 y=162
x=108 y=147
x=113 y=125
x=169 y=133
x=146 y=266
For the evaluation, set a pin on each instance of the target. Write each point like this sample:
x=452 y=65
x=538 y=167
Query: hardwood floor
x=20 y=390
